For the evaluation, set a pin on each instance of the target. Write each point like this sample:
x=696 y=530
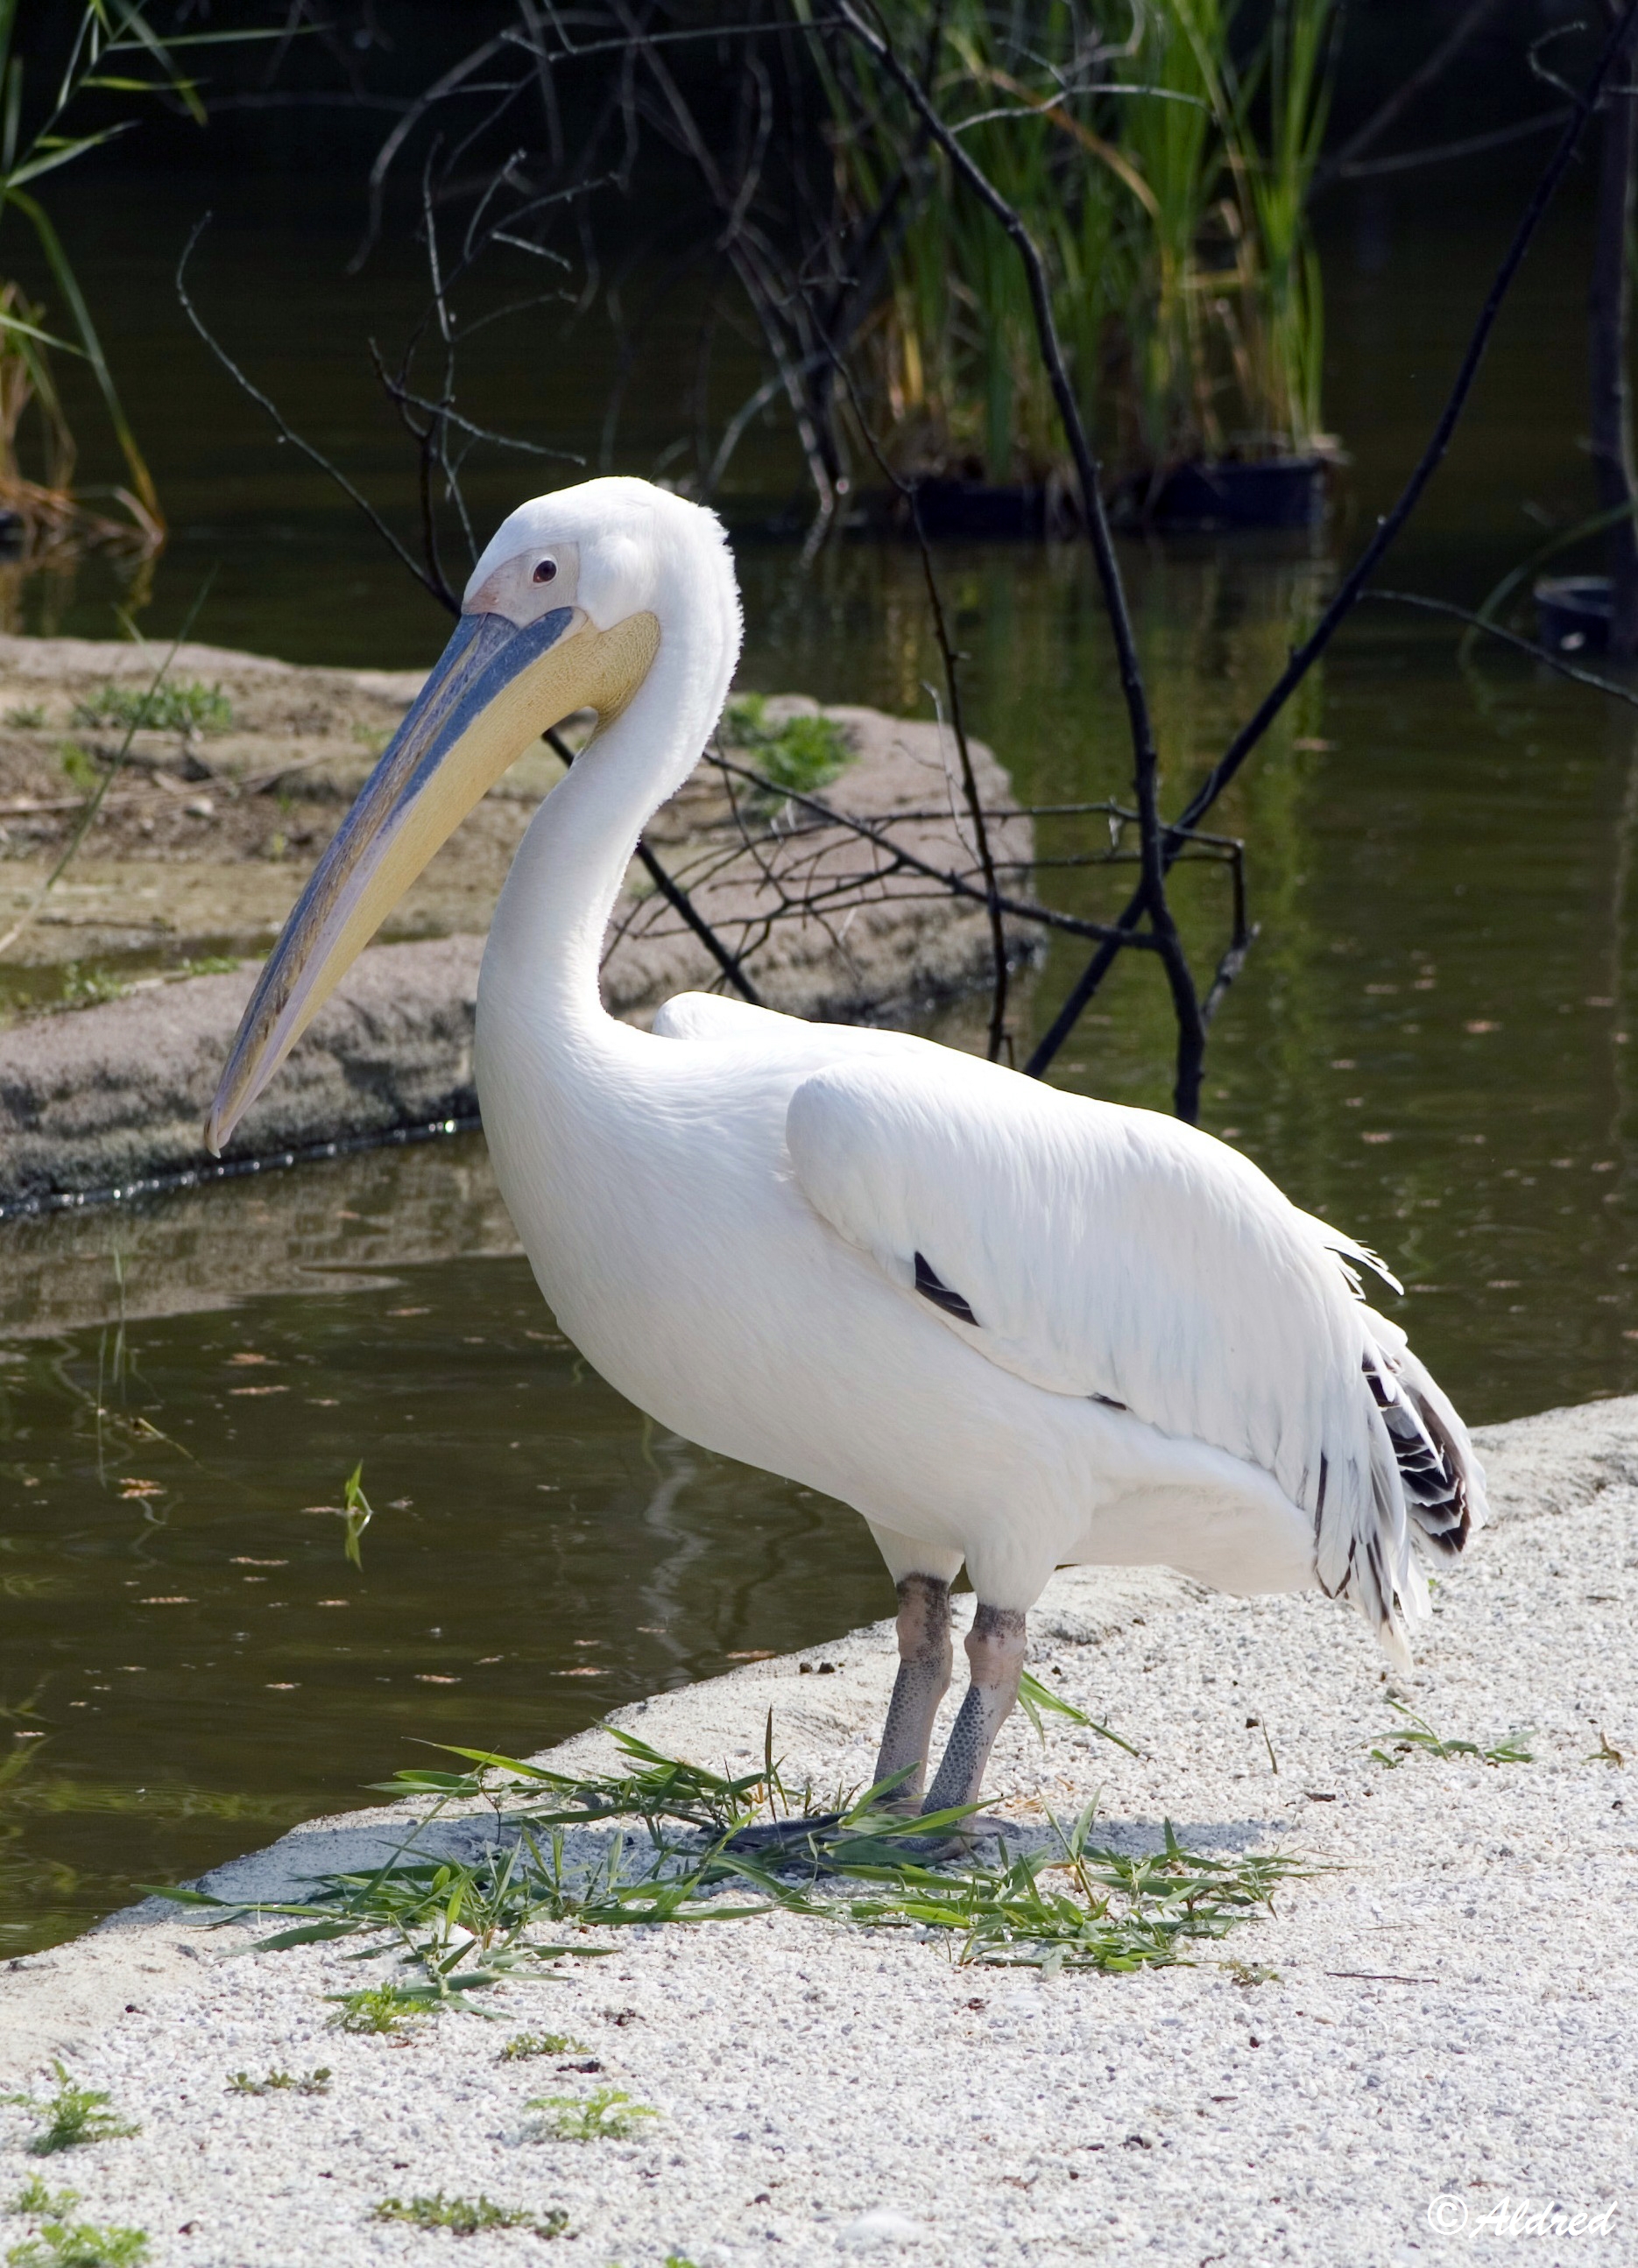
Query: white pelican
x=1012 y=1328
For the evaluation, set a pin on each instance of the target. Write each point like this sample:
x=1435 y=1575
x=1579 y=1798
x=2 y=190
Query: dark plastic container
x=1283 y=492
x=953 y=509
x=1573 y=612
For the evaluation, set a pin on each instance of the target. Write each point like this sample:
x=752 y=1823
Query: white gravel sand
x=1443 y=2068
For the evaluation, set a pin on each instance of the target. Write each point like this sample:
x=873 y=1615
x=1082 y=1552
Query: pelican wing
x=713 y=1016
x=1118 y=1255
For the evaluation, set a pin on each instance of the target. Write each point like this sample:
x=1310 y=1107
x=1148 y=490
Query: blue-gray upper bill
x=485 y=653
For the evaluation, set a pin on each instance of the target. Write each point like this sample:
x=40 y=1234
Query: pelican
x=1014 y=1328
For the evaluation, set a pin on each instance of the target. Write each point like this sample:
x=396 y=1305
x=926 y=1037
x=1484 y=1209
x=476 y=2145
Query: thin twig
x=743 y=246
x=676 y=897
x=1227 y=968
x=951 y=661
x=1304 y=656
x=287 y=432
x=969 y=787
x=1443 y=153
x=1427 y=73
x=452 y=79
x=1544 y=654
x=1047 y=916
x=399 y=391
x=1186 y=1001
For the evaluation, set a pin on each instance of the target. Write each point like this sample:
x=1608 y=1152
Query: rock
x=879 y=941
x=102 y=1097
x=880 y=2228
x=98 y=1100
x=1560 y=1461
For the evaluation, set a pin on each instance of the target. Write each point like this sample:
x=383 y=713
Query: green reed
x=458 y=1926
x=1166 y=187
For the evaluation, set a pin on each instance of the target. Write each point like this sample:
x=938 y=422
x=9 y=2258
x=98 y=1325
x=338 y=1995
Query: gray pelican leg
x=923 y=1680
x=995 y=1647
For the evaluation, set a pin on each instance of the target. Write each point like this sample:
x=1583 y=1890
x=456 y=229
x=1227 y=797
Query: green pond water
x=1432 y=1045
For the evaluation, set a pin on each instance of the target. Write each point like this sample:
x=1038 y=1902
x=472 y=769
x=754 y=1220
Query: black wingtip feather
x=932 y=1286
x=1432 y=1470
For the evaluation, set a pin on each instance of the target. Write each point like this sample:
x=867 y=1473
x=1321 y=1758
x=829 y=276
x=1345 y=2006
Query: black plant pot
x=1284 y=492
x=951 y=509
x=1573 y=612
x=1210 y=498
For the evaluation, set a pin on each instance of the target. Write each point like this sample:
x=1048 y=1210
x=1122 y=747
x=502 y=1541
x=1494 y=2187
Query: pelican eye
x=546 y=570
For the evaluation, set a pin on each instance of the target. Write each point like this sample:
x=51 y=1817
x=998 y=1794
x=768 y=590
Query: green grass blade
x=68 y=283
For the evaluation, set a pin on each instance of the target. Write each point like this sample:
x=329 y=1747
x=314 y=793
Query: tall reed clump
x=111 y=49
x=1163 y=166
x=1291 y=88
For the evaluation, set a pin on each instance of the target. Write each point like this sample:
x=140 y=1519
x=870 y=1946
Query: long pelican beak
x=495 y=689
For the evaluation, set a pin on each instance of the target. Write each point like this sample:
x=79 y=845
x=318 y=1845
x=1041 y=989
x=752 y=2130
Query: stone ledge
x=94 y=1100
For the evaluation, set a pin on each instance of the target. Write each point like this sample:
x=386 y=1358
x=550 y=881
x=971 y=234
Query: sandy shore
x=1444 y=2048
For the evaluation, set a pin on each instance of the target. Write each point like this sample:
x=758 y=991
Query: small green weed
x=359 y=1514
x=72 y=2115
x=469 y=1924
x=307 y=2082
x=177 y=705
x=213 y=964
x=83 y=988
x=41 y=2203
x=1606 y=1753
x=61 y=2244
x=1513 y=1751
x=1417 y=1732
x=803 y=753
x=83 y=772
x=28 y=716
x=468 y=2216
x=525 y=2044
x=607 y=2115
x=745 y=718
x=81 y=2245
x=1038 y=1701
x=807 y=753
x=1250 y=1974
x=377 y=2008
x=657 y=1789
x=1119 y=1912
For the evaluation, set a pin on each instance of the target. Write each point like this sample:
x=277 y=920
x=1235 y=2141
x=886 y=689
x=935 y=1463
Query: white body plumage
x=725 y=1215
x=1014 y=1328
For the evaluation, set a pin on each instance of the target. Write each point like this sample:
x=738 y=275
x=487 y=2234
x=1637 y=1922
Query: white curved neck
x=546 y=941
